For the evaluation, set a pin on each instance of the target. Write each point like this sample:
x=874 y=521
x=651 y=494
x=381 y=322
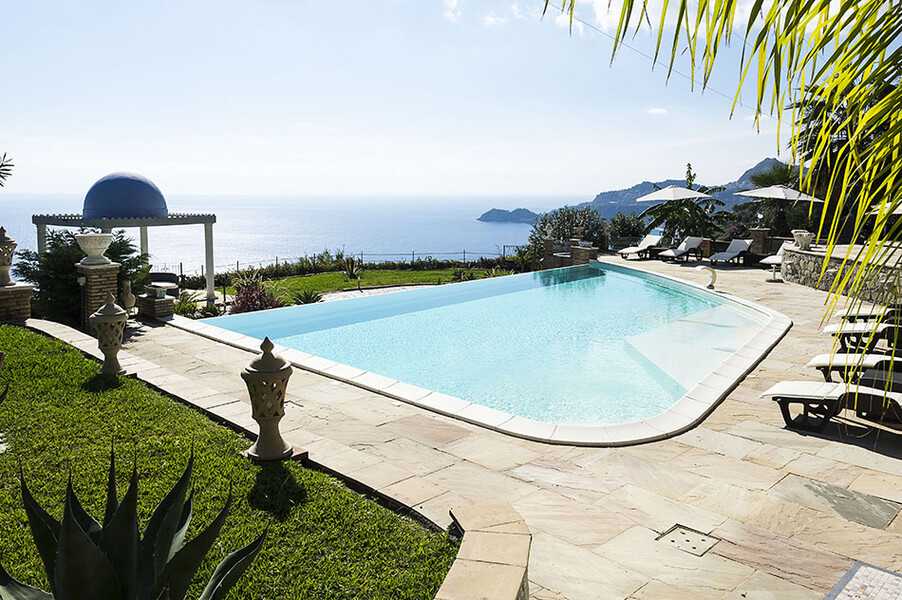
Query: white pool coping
x=687 y=412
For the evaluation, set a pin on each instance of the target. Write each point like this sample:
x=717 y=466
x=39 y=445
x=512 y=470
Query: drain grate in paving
x=688 y=540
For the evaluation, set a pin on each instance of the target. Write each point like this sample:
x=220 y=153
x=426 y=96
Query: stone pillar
x=99 y=280
x=582 y=256
x=155 y=308
x=15 y=298
x=759 y=237
x=144 y=239
x=42 y=238
x=208 y=250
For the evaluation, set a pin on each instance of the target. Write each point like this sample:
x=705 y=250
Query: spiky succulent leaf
x=87 y=523
x=230 y=569
x=44 y=529
x=119 y=541
x=181 y=568
x=82 y=571
x=181 y=531
x=10 y=589
x=161 y=529
x=112 y=501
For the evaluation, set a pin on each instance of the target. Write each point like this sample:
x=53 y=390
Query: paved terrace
x=792 y=512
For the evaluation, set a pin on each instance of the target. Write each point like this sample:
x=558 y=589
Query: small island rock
x=518 y=215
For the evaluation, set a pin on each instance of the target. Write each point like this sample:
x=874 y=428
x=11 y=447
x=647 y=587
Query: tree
x=838 y=60
x=626 y=225
x=56 y=295
x=563 y=222
x=689 y=216
x=6 y=169
x=783 y=216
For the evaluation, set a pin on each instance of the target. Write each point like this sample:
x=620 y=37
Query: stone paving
x=792 y=512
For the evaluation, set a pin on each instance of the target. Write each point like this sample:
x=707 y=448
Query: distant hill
x=608 y=204
x=518 y=215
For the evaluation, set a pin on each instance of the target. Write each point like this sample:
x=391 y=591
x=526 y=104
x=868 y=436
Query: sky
x=372 y=97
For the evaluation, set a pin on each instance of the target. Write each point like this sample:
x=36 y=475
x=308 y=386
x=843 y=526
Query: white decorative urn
x=109 y=323
x=266 y=378
x=7 y=248
x=548 y=231
x=126 y=298
x=802 y=238
x=94 y=245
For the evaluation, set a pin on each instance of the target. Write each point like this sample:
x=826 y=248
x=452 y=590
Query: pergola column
x=208 y=251
x=42 y=238
x=144 y=240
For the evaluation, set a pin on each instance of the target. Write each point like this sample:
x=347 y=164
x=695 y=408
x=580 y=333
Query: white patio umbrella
x=778 y=192
x=671 y=192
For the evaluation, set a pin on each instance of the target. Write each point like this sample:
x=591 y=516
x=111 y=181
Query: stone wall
x=15 y=302
x=804 y=267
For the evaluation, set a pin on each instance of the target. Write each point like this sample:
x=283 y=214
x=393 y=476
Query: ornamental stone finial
x=7 y=249
x=109 y=323
x=266 y=378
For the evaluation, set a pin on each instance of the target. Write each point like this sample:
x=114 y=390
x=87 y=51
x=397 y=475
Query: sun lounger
x=775 y=261
x=644 y=247
x=861 y=313
x=862 y=335
x=689 y=246
x=820 y=402
x=733 y=253
x=845 y=363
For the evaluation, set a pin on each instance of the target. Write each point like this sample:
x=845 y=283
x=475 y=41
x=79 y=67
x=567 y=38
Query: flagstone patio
x=791 y=512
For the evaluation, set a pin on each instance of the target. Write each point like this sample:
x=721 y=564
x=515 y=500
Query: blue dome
x=124 y=196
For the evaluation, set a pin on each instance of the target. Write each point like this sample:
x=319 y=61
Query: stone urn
x=802 y=238
x=578 y=232
x=7 y=248
x=126 y=297
x=548 y=232
x=109 y=323
x=94 y=245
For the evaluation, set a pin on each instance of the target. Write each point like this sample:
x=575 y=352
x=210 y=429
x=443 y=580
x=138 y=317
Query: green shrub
x=626 y=225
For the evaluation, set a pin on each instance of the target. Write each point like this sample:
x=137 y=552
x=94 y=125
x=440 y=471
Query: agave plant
x=86 y=560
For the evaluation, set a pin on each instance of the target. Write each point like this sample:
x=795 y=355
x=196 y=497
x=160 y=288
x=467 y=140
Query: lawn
x=324 y=540
x=324 y=283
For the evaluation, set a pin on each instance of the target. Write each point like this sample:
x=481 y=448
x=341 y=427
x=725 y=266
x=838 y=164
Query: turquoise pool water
x=593 y=344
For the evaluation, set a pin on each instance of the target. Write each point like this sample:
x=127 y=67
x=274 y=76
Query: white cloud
x=516 y=12
x=452 y=10
x=493 y=19
x=563 y=20
x=656 y=111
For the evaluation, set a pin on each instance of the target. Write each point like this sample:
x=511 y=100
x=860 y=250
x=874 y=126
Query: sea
x=253 y=231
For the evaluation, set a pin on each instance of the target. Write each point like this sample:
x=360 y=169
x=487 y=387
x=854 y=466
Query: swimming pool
x=582 y=349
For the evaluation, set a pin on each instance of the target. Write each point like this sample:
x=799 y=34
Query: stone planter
x=94 y=245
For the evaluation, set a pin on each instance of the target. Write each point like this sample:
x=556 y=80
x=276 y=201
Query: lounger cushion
x=859 y=328
x=647 y=242
x=843 y=360
x=806 y=390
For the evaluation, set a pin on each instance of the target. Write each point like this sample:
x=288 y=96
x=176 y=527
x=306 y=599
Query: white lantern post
x=266 y=378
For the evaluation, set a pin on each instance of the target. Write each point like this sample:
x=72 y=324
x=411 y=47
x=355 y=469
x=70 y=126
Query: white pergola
x=107 y=225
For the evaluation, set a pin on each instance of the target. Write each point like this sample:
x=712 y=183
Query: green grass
x=335 y=282
x=324 y=541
